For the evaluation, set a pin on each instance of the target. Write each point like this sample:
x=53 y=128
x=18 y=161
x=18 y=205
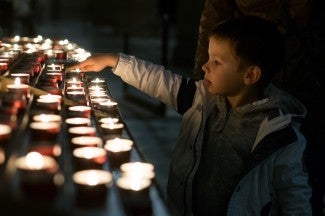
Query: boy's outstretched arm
x=97 y=62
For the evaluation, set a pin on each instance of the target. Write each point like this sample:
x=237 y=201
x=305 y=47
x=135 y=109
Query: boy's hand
x=96 y=62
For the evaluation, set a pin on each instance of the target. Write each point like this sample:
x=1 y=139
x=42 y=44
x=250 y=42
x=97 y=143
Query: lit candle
x=135 y=194
x=52 y=96
x=112 y=128
x=48 y=103
x=109 y=106
x=55 y=75
x=108 y=120
x=82 y=131
x=18 y=88
x=89 y=158
x=137 y=170
x=74 y=81
x=118 y=151
x=79 y=111
x=47 y=118
x=38 y=175
x=24 y=77
x=44 y=131
x=75 y=88
x=77 y=121
x=92 y=186
x=54 y=67
x=5 y=134
x=86 y=141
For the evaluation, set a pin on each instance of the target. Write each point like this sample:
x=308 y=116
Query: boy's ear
x=253 y=74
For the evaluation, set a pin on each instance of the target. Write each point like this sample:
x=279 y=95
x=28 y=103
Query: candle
x=86 y=141
x=79 y=111
x=24 y=77
x=14 y=100
x=112 y=129
x=46 y=148
x=137 y=170
x=97 y=81
x=82 y=131
x=92 y=186
x=47 y=118
x=89 y=158
x=108 y=120
x=118 y=151
x=18 y=88
x=77 y=121
x=74 y=81
x=5 y=134
x=54 y=75
x=134 y=193
x=75 y=88
x=95 y=102
x=38 y=175
x=52 y=96
x=44 y=131
x=54 y=67
x=49 y=103
x=78 y=97
x=109 y=106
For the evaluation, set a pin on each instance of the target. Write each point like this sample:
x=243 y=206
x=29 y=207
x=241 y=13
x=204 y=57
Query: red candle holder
x=86 y=141
x=44 y=131
x=118 y=151
x=92 y=186
x=79 y=111
x=38 y=176
x=77 y=121
x=82 y=131
x=89 y=158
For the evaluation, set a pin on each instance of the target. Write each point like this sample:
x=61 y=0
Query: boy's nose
x=204 y=67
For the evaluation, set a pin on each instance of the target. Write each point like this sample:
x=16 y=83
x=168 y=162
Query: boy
x=240 y=150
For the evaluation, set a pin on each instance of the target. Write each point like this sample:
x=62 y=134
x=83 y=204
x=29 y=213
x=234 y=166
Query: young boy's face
x=222 y=75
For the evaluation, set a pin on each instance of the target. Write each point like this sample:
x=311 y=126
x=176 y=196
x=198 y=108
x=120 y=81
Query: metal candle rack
x=53 y=190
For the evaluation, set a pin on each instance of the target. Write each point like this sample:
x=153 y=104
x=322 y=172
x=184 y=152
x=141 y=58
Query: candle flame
x=44 y=118
x=34 y=160
x=17 y=81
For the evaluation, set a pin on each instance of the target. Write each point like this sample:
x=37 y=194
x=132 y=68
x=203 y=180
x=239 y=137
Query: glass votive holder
x=92 y=186
x=53 y=67
x=46 y=148
x=47 y=118
x=3 y=67
x=16 y=101
x=49 y=104
x=135 y=195
x=8 y=119
x=44 y=131
x=96 y=101
x=82 y=131
x=89 y=158
x=86 y=141
x=137 y=170
x=112 y=129
x=118 y=151
x=108 y=120
x=74 y=81
x=109 y=106
x=78 y=97
x=74 y=88
x=19 y=88
x=5 y=134
x=77 y=121
x=79 y=111
x=55 y=75
x=24 y=77
x=51 y=97
x=97 y=82
x=39 y=176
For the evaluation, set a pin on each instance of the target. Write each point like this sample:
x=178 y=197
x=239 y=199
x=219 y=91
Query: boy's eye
x=216 y=62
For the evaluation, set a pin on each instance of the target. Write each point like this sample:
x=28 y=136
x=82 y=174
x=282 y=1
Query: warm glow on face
x=34 y=160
